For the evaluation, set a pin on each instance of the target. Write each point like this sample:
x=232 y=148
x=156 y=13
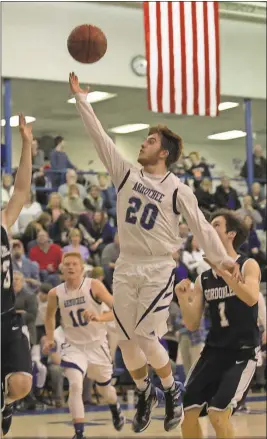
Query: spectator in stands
x=42 y=298
x=193 y=258
x=29 y=269
x=55 y=374
x=45 y=220
x=42 y=184
x=184 y=231
x=54 y=206
x=198 y=168
x=75 y=244
x=110 y=255
x=59 y=161
x=25 y=304
x=48 y=256
x=93 y=200
x=259 y=162
x=59 y=231
x=252 y=246
x=71 y=178
x=181 y=271
x=190 y=343
x=30 y=212
x=226 y=196
x=247 y=210
x=30 y=234
x=73 y=203
x=37 y=155
x=258 y=201
x=99 y=274
x=102 y=233
x=109 y=196
x=204 y=195
x=7 y=189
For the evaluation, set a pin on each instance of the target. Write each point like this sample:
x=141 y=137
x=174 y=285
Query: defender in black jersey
x=218 y=383
x=16 y=365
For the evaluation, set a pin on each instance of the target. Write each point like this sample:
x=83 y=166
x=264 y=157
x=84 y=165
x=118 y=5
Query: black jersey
x=233 y=323
x=7 y=292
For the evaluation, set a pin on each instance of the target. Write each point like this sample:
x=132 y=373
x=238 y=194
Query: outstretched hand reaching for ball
x=75 y=86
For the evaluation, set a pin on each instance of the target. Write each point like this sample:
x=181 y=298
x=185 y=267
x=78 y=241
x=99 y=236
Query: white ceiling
x=47 y=102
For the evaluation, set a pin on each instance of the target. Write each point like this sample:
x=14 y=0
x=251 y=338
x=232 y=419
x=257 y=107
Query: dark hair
x=233 y=224
x=45 y=288
x=188 y=244
x=58 y=140
x=170 y=142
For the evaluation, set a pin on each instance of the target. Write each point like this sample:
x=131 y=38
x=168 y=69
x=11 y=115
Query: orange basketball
x=87 y=44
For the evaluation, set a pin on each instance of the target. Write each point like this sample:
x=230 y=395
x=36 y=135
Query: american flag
x=183 y=58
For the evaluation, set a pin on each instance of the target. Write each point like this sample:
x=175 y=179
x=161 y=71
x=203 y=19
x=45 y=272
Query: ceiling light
x=95 y=96
x=130 y=128
x=227 y=135
x=14 y=121
x=227 y=105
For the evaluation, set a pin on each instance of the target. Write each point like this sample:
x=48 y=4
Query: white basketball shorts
x=142 y=294
x=96 y=361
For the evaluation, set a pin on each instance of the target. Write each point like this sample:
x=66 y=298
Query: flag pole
x=249 y=143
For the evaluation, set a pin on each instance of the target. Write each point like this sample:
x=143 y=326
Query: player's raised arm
x=191 y=310
x=22 y=184
x=115 y=164
x=205 y=234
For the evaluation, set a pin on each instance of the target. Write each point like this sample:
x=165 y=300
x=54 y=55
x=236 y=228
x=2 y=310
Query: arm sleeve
x=204 y=233
x=116 y=165
x=262 y=311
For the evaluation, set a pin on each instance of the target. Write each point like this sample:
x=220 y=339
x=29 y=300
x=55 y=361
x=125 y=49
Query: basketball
x=87 y=44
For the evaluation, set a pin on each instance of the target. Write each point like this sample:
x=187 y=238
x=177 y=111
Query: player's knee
x=76 y=388
x=191 y=416
x=155 y=353
x=19 y=385
x=108 y=393
x=218 y=418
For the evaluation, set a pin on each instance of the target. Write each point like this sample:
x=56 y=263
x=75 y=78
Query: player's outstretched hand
x=227 y=271
x=75 y=86
x=25 y=129
x=183 y=287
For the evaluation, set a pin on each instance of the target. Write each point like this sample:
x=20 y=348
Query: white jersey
x=72 y=304
x=148 y=206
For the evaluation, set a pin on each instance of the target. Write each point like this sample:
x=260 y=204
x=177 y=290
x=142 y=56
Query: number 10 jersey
x=72 y=304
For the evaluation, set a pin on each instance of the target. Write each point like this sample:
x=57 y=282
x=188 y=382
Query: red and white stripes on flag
x=183 y=59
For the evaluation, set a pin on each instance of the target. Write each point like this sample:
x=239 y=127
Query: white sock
x=167 y=382
x=143 y=383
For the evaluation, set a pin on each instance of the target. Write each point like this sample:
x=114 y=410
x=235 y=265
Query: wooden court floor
x=52 y=423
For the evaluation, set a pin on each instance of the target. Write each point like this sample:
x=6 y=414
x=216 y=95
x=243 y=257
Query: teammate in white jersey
x=85 y=350
x=149 y=204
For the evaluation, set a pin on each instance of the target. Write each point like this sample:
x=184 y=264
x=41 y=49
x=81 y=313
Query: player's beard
x=148 y=161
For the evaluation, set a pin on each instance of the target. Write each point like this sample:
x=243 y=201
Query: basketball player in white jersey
x=86 y=349
x=149 y=203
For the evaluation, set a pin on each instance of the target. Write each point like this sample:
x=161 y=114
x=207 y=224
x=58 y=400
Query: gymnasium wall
x=129 y=146
x=34 y=38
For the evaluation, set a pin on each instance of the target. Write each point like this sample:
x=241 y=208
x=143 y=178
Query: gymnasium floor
x=54 y=423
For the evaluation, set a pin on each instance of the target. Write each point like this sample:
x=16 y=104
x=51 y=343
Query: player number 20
x=223 y=319
x=78 y=319
x=148 y=217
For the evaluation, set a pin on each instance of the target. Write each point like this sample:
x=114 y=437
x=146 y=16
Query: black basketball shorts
x=220 y=379
x=15 y=351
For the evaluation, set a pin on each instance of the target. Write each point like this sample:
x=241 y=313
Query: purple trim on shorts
x=70 y=365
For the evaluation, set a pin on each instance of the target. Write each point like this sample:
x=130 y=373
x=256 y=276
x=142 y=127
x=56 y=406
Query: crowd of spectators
x=74 y=212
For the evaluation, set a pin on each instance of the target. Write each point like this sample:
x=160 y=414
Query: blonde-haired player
x=86 y=349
